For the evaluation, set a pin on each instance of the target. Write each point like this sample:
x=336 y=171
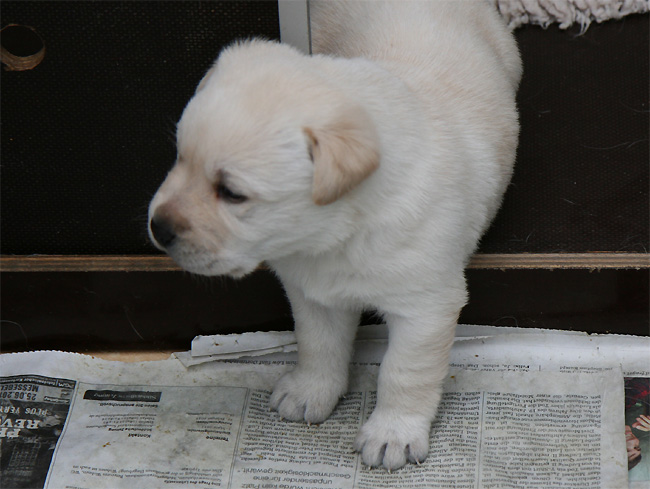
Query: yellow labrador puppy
x=364 y=175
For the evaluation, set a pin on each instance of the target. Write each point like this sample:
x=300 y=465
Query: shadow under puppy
x=364 y=175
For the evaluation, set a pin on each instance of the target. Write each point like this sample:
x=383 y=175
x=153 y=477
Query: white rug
x=567 y=12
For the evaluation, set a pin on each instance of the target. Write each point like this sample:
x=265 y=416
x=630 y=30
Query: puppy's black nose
x=161 y=230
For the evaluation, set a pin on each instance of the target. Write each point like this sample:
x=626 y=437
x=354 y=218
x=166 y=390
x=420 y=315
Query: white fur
x=408 y=114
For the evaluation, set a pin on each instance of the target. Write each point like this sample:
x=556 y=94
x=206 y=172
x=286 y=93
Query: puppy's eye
x=223 y=192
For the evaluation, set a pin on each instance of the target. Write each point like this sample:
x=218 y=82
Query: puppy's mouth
x=205 y=263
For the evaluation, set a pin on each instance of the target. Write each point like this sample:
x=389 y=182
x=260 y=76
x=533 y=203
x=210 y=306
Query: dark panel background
x=87 y=136
x=581 y=180
x=149 y=311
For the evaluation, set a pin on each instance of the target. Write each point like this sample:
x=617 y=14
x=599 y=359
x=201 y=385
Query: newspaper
x=520 y=410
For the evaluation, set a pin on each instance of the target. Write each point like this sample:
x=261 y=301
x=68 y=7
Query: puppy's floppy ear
x=345 y=151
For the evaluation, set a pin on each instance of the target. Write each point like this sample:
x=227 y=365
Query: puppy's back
x=458 y=60
x=425 y=33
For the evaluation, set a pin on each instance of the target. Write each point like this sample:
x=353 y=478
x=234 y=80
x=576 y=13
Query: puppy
x=364 y=175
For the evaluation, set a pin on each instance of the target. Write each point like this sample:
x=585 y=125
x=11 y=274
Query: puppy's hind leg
x=325 y=336
x=409 y=386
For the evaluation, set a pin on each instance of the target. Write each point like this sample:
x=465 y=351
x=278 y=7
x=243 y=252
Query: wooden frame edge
x=162 y=263
x=584 y=261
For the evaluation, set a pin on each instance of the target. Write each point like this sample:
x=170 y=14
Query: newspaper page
x=507 y=349
x=71 y=421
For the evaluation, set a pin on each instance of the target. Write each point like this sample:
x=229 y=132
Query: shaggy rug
x=567 y=12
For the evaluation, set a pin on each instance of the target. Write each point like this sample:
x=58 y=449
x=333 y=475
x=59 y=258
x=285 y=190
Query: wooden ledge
x=161 y=263
x=131 y=356
x=87 y=263
x=588 y=261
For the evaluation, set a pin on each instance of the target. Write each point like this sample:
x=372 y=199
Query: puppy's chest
x=332 y=282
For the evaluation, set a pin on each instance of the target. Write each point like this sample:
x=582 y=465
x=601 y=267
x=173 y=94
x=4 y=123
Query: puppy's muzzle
x=162 y=232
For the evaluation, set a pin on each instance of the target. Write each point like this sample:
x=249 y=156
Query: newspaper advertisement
x=33 y=410
x=519 y=411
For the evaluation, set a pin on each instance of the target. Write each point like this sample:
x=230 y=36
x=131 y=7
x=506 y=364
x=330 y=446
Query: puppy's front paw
x=299 y=395
x=392 y=440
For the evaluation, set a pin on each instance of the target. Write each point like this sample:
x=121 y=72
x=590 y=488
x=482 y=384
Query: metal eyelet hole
x=21 y=47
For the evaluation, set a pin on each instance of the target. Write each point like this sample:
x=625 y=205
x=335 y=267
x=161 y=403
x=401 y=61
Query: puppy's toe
x=372 y=449
x=392 y=441
x=418 y=450
x=298 y=396
x=288 y=406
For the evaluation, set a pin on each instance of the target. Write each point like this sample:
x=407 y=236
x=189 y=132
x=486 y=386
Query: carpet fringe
x=567 y=12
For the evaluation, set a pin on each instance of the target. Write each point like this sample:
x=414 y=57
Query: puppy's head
x=268 y=150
